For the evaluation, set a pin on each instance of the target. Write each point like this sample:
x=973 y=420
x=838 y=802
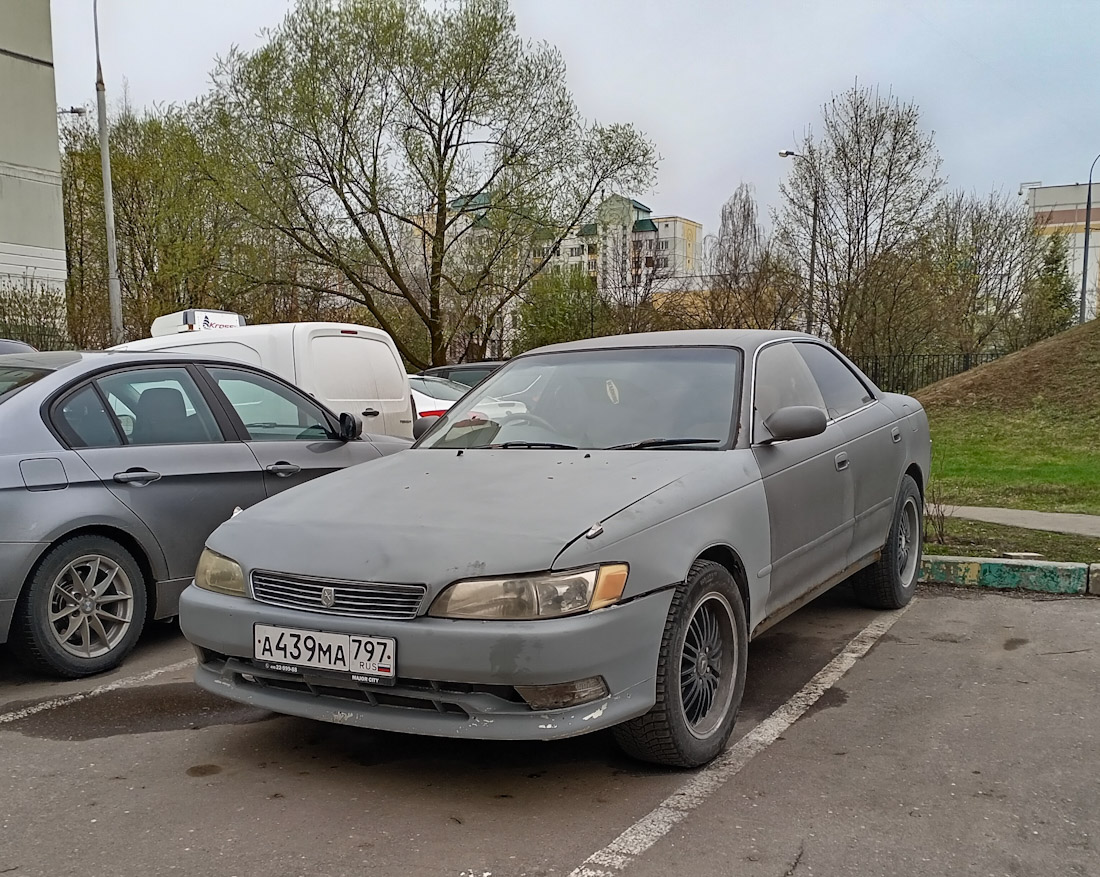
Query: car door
x=875 y=449
x=292 y=437
x=807 y=482
x=163 y=453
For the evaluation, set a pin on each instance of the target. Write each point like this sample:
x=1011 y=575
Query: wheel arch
x=725 y=556
x=127 y=540
x=914 y=472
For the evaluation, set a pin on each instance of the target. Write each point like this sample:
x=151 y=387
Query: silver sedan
x=600 y=557
x=115 y=467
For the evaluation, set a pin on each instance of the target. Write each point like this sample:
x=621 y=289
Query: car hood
x=433 y=516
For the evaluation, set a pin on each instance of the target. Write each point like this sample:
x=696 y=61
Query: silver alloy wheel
x=708 y=665
x=908 y=540
x=91 y=606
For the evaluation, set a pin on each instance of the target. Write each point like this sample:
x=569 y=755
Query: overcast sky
x=1008 y=86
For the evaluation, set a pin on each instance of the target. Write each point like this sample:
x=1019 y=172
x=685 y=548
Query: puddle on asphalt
x=175 y=706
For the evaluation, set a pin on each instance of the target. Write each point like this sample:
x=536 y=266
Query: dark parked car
x=597 y=558
x=7 y=345
x=115 y=467
x=468 y=373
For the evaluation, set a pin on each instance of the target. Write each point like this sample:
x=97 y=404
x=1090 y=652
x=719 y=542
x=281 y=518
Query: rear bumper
x=455 y=678
x=16 y=561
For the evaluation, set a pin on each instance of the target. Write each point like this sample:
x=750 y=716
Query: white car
x=434 y=396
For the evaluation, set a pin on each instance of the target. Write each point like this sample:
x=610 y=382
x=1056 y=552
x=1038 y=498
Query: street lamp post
x=787 y=153
x=1088 y=220
x=114 y=290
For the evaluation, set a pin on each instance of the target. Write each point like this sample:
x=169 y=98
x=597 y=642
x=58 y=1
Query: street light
x=787 y=153
x=114 y=291
x=1085 y=266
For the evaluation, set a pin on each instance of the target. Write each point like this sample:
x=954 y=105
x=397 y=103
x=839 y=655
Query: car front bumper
x=455 y=678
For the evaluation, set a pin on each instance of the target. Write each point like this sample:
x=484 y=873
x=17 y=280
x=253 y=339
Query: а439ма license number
x=366 y=658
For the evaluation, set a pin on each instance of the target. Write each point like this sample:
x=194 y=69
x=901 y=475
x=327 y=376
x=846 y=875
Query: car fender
x=661 y=535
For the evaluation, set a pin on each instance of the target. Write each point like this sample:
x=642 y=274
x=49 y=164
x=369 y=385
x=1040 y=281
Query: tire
x=891 y=581
x=683 y=729
x=61 y=628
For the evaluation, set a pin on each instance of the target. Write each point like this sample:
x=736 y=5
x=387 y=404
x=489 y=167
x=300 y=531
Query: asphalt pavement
x=962 y=740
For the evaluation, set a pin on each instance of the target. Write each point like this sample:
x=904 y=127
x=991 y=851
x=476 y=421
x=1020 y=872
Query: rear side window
x=387 y=371
x=842 y=391
x=84 y=420
x=344 y=370
x=160 y=406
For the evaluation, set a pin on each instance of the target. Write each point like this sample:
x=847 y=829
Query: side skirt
x=812 y=594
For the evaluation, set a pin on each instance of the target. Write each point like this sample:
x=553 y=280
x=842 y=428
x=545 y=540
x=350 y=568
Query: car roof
x=55 y=360
x=746 y=339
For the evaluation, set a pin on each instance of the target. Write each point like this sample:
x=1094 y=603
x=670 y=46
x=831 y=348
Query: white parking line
x=16 y=715
x=617 y=855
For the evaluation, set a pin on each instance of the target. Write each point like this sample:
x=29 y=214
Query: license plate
x=370 y=659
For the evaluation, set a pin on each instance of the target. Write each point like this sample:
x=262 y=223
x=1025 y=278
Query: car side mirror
x=351 y=427
x=795 y=422
x=422 y=424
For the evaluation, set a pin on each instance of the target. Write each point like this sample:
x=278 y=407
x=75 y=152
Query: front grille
x=361 y=599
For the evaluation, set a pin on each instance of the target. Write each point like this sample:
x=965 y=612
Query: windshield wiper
x=552 y=445
x=663 y=442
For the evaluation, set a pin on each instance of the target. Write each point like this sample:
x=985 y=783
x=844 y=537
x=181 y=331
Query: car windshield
x=13 y=379
x=438 y=388
x=635 y=397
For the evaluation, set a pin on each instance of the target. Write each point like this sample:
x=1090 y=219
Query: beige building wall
x=1061 y=209
x=32 y=237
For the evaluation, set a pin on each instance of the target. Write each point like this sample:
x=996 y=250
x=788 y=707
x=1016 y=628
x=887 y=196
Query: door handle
x=138 y=477
x=841 y=461
x=283 y=469
x=371 y=412
x=895 y=434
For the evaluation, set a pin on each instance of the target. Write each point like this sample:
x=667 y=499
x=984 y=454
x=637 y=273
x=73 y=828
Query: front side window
x=159 y=406
x=600 y=399
x=842 y=391
x=270 y=412
x=782 y=379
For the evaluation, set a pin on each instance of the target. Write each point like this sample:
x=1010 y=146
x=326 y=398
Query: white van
x=347 y=367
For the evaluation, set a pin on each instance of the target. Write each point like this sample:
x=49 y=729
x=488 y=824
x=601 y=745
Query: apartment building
x=32 y=235
x=627 y=242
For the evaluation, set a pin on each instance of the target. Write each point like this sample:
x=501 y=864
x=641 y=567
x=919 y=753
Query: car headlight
x=540 y=596
x=216 y=572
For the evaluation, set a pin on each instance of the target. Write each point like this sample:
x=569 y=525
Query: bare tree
x=984 y=254
x=874 y=175
x=745 y=281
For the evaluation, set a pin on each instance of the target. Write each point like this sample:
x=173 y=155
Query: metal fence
x=906 y=372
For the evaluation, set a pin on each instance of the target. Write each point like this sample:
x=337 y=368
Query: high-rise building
x=627 y=243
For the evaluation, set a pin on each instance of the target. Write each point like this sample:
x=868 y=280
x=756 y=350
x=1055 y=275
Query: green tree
x=1049 y=302
x=558 y=307
x=418 y=150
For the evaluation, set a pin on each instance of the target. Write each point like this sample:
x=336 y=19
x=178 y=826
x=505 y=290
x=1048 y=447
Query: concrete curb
x=1028 y=575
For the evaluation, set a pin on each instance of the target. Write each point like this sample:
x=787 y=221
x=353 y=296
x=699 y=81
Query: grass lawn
x=978 y=539
x=1045 y=458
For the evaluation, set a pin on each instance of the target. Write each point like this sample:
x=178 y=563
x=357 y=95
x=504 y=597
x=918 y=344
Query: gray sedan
x=115 y=467
x=598 y=556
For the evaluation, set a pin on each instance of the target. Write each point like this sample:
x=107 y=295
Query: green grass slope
x=1022 y=432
